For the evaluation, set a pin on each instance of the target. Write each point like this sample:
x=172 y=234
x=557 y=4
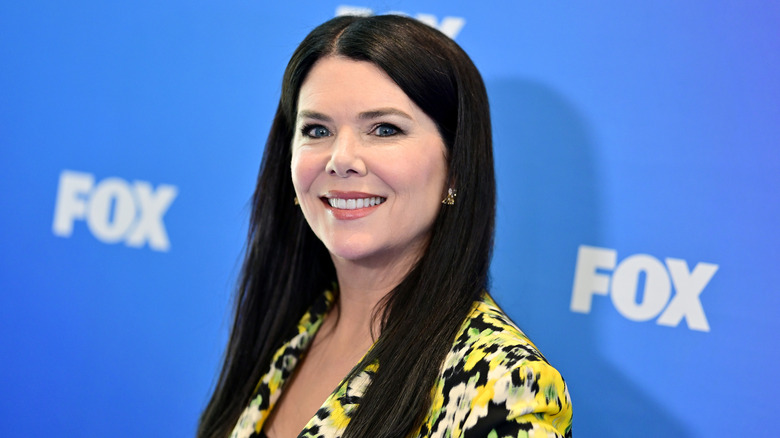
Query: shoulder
x=488 y=337
x=495 y=382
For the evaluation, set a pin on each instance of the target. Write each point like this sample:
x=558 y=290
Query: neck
x=362 y=286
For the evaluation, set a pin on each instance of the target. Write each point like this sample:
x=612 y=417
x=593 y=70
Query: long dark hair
x=286 y=266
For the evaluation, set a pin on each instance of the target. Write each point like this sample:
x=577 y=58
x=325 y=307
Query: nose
x=345 y=158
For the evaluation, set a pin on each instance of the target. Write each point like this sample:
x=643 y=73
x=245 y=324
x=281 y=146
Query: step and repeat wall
x=638 y=173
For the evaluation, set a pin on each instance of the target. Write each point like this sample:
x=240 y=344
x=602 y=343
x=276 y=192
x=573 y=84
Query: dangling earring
x=450 y=199
x=295 y=200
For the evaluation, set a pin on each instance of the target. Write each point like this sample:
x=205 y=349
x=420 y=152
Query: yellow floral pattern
x=493 y=383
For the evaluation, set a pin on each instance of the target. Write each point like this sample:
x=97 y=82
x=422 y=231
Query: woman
x=368 y=256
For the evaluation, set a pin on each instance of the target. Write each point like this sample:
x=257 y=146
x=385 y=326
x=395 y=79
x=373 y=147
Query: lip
x=356 y=213
x=335 y=194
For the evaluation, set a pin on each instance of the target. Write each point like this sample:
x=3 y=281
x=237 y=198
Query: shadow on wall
x=549 y=203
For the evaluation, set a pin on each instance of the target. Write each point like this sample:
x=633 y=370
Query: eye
x=315 y=131
x=386 y=130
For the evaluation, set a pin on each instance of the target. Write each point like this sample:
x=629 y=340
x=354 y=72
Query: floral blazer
x=494 y=383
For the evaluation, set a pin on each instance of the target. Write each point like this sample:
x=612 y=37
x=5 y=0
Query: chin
x=352 y=253
x=362 y=252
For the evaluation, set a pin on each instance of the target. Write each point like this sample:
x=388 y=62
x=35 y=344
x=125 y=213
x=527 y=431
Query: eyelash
x=387 y=125
x=307 y=130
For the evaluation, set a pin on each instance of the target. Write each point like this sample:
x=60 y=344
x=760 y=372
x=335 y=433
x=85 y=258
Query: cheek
x=432 y=174
x=421 y=180
x=303 y=170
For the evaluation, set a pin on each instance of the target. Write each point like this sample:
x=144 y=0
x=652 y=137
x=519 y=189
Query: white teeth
x=351 y=204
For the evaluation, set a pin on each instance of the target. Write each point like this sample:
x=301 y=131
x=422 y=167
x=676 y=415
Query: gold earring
x=295 y=200
x=450 y=199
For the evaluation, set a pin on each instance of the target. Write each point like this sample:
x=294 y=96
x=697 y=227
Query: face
x=368 y=165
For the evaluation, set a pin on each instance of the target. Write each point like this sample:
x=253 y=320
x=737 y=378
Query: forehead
x=341 y=83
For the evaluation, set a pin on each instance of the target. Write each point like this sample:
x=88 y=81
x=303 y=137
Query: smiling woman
x=360 y=137
x=363 y=309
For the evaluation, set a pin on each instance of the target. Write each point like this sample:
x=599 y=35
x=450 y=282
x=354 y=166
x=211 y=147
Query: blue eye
x=315 y=131
x=386 y=130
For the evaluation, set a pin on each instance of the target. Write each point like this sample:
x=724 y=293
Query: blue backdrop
x=636 y=150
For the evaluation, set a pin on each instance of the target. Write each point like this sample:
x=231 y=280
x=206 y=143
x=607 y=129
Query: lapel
x=283 y=364
x=334 y=415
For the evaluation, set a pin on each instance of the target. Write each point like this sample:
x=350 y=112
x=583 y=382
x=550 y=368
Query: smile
x=352 y=204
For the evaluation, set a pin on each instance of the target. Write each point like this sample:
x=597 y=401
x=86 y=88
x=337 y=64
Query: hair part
x=420 y=316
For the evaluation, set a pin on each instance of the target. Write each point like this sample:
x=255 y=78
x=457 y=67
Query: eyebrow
x=381 y=112
x=365 y=115
x=308 y=114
